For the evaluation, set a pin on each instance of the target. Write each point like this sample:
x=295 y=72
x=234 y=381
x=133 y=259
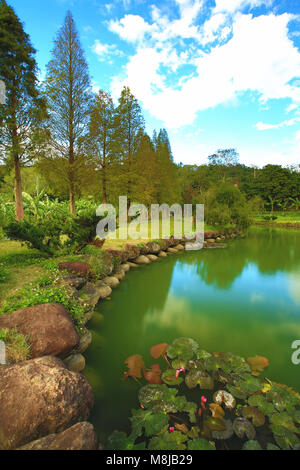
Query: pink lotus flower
x=182 y=369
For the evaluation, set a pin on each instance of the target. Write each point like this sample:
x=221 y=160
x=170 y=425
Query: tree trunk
x=18 y=189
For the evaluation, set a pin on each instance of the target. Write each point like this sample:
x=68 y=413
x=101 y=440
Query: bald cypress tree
x=69 y=98
x=24 y=108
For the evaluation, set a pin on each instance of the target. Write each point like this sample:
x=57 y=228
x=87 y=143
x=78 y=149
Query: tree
x=168 y=189
x=129 y=124
x=21 y=117
x=101 y=132
x=224 y=158
x=69 y=99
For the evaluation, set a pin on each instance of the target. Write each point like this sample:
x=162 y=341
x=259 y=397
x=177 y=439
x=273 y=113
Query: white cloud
x=260 y=126
x=130 y=28
x=259 y=57
x=104 y=51
x=232 y=6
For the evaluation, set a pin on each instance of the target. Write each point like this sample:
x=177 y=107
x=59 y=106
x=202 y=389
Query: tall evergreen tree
x=167 y=186
x=24 y=109
x=101 y=132
x=129 y=123
x=69 y=99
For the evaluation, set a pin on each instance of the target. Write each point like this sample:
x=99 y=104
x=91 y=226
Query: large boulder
x=152 y=257
x=40 y=397
x=81 y=436
x=133 y=251
x=49 y=329
x=76 y=267
x=144 y=249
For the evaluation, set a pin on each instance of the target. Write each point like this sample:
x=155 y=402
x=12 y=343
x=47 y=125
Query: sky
x=215 y=73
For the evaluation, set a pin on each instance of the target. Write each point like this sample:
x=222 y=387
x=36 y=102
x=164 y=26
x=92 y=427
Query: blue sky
x=214 y=73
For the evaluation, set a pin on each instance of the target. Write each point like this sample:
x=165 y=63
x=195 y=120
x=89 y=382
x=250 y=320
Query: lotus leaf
x=197 y=377
x=252 y=445
x=258 y=418
x=242 y=427
x=183 y=348
x=221 y=396
x=200 y=444
x=225 y=433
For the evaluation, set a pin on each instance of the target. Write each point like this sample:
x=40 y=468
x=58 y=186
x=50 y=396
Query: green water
x=244 y=299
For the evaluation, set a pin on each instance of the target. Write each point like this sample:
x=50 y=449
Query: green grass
x=17 y=347
x=282 y=217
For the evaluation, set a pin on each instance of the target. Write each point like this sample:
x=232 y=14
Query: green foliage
x=17 y=348
x=46 y=290
x=237 y=404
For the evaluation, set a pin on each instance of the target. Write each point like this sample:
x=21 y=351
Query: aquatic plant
x=208 y=401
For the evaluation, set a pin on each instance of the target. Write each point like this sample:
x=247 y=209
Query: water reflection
x=244 y=299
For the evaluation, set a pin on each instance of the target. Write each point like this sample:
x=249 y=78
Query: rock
x=75 y=282
x=180 y=247
x=77 y=267
x=85 y=341
x=144 y=249
x=40 y=397
x=173 y=241
x=120 y=256
x=89 y=295
x=88 y=316
x=164 y=244
x=103 y=289
x=75 y=362
x=49 y=329
x=125 y=267
x=111 y=281
x=152 y=257
x=142 y=259
x=211 y=240
x=133 y=251
x=119 y=275
x=162 y=254
x=81 y=436
x=133 y=265
x=172 y=250
x=154 y=248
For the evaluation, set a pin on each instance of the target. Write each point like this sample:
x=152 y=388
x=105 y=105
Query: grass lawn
x=18 y=266
x=282 y=217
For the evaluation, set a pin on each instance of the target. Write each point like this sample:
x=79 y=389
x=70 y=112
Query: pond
x=244 y=299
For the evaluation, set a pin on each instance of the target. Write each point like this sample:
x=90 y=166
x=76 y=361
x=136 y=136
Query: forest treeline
x=58 y=138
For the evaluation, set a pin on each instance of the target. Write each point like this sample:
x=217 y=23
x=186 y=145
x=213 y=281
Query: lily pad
x=252 y=445
x=262 y=404
x=200 y=444
x=183 y=348
x=242 y=427
x=168 y=441
x=225 y=433
x=196 y=377
x=151 y=422
x=216 y=410
x=258 y=418
x=285 y=420
x=222 y=396
x=258 y=363
x=170 y=378
x=158 y=350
